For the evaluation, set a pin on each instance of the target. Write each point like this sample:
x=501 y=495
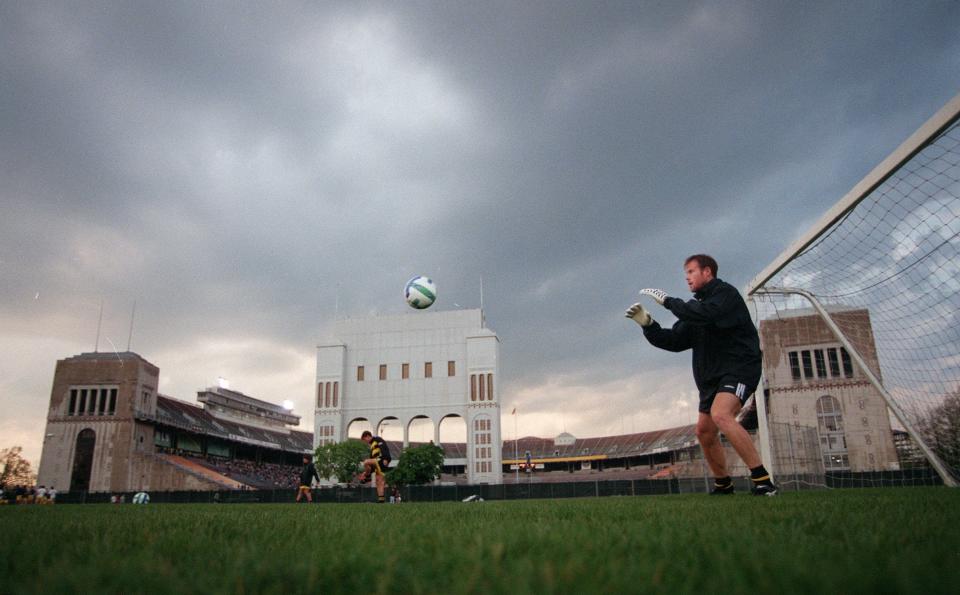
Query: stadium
x=264 y=178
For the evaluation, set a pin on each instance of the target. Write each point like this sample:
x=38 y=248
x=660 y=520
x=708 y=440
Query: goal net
x=860 y=322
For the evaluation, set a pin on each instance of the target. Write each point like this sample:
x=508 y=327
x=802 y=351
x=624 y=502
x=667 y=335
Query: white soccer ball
x=141 y=498
x=420 y=292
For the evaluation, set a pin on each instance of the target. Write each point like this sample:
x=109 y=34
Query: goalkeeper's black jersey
x=379 y=449
x=717 y=326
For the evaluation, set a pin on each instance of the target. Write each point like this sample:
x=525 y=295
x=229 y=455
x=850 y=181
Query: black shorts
x=741 y=387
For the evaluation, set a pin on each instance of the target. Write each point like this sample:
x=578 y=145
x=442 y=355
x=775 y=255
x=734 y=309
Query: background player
x=717 y=326
x=377 y=463
x=307 y=475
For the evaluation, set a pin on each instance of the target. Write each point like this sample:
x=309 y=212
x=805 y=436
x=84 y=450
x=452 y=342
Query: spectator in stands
x=378 y=462
x=307 y=476
x=717 y=326
x=41 y=497
x=52 y=495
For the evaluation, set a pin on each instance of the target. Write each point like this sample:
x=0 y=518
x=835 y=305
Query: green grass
x=841 y=541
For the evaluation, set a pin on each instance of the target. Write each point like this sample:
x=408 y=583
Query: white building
x=431 y=365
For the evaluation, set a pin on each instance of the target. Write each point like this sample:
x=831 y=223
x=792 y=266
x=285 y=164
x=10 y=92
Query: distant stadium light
x=288 y=405
x=223 y=382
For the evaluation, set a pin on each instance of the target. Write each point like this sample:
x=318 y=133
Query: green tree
x=14 y=469
x=341 y=460
x=417 y=465
x=940 y=428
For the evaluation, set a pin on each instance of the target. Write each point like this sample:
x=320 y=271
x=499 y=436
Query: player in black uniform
x=717 y=326
x=378 y=462
x=307 y=475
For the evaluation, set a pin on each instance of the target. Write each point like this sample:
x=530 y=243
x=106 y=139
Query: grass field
x=841 y=541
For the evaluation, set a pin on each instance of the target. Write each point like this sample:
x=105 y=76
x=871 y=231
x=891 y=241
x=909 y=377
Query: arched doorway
x=358 y=426
x=83 y=461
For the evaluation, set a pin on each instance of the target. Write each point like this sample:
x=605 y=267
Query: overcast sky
x=237 y=169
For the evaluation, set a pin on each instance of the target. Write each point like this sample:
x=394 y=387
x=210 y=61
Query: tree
x=15 y=469
x=417 y=465
x=940 y=428
x=341 y=460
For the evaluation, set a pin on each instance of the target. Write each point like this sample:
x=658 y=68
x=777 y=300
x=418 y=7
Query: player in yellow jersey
x=378 y=462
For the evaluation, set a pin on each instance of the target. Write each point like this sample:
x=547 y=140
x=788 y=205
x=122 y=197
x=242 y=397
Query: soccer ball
x=141 y=498
x=420 y=292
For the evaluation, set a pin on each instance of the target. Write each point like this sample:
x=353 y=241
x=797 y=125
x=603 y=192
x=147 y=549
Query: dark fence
x=519 y=491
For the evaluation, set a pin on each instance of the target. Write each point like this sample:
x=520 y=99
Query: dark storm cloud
x=244 y=169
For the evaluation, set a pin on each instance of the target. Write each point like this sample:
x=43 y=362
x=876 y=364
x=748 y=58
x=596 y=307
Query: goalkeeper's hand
x=658 y=295
x=639 y=314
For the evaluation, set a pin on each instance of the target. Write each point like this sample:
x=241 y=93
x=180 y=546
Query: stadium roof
x=183 y=415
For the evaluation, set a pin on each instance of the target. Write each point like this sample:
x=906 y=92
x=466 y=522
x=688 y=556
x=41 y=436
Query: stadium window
x=834 y=362
x=83 y=401
x=489 y=387
x=319 y=395
x=102 y=409
x=807 y=364
x=428 y=369
x=113 y=401
x=383 y=371
x=847 y=364
x=821 y=364
x=794 y=365
x=326 y=394
x=481 y=384
x=73 y=402
x=405 y=371
x=451 y=368
x=92 y=402
x=336 y=386
x=359 y=373
x=473 y=387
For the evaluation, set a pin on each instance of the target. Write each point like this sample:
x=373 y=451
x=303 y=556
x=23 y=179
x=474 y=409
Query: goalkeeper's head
x=700 y=269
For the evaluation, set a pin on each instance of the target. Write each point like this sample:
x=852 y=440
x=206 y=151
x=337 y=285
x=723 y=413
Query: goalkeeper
x=378 y=462
x=716 y=325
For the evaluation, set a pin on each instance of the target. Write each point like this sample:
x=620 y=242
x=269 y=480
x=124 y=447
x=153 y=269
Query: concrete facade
x=95 y=440
x=813 y=384
x=428 y=364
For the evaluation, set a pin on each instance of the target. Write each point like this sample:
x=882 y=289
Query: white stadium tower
x=421 y=365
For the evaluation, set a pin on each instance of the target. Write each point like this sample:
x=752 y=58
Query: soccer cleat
x=726 y=490
x=764 y=489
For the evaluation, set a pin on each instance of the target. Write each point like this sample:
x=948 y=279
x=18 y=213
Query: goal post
x=875 y=281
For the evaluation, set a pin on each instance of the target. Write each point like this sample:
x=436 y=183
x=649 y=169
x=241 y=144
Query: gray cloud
x=238 y=170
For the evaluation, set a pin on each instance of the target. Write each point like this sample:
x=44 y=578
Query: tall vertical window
x=326 y=394
x=405 y=371
x=102 y=405
x=834 y=362
x=833 y=440
x=113 y=401
x=451 y=368
x=847 y=364
x=383 y=371
x=795 y=365
x=336 y=386
x=73 y=402
x=489 y=387
x=807 y=364
x=821 y=364
x=473 y=387
x=482 y=391
x=319 y=395
x=428 y=370
x=83 y=402
x=359 y=373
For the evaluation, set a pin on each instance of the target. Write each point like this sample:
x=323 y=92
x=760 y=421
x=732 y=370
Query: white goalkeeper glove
x=658 y=295
x=639 y=314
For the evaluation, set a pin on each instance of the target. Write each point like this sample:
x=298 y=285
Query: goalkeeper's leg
x=724 y=413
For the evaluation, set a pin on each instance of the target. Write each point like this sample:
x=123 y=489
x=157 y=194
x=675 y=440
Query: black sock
x=723 y=482
x=760 y=476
